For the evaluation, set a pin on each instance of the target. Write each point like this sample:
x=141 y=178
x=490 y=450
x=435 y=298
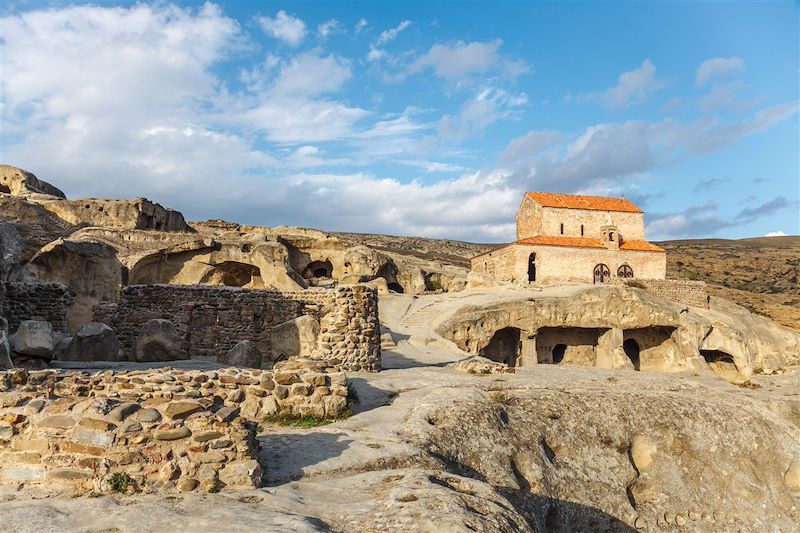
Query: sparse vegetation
x=295 y=421
x=120 y=482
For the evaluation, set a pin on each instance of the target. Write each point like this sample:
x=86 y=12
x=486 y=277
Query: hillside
x=761 y=274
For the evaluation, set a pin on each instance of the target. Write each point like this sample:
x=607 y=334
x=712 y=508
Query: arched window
x=601 y=273
x=562 y=228
x=625 y=271
x=611 y=236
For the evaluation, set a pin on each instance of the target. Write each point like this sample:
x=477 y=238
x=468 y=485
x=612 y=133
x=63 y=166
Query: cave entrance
x=318 y=269
x=558 y=353
x=395 y=287
x=504 y=346
x=632 y=350
x=4 y=189
x=719 y=358
x=570 y=346
x=231 y=274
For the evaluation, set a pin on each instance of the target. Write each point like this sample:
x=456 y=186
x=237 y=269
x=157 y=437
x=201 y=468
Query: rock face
x=18 y=182
x=93 y=342
x=34 y=338
x=243 y=354
x=158 y=341
x=5 y=350
x=11 y=248
x=295 y=338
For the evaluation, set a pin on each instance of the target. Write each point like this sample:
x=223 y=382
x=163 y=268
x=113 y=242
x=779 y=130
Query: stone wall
x=560 y=265
x=211 y=319
x=533 y=220
x=153 y=430
x=683 y=291
x=35 y=301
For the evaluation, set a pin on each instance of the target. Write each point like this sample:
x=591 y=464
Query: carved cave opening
x=318 y=269
x=568 y=345
x=503 y=347
x=231 y=274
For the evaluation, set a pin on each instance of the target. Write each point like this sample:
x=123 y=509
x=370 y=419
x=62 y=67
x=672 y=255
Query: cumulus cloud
x=455 y=61
x=633 y=87
x=360 y=25
x=329 y=28
x=489 y=105
x=287 y=28
x=775 y=234
x=717 y=67
x=391 y=34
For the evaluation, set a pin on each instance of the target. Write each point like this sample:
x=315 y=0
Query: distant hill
x=761 y=274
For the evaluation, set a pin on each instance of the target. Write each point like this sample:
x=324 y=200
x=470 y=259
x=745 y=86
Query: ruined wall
x=212 y=319
x=35 y=301
x=166 y=430
x=558 y=265
x=683 y=291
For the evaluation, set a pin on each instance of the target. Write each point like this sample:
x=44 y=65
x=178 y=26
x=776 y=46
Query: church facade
x=570 y=239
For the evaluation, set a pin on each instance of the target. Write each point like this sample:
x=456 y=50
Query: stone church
x=569 y=239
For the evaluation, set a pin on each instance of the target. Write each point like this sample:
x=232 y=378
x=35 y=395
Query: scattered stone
x=158 y=341
x=93 y=342
x=243 y=354
x=34 y=338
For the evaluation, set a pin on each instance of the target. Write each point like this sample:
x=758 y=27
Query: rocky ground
x=548 y=448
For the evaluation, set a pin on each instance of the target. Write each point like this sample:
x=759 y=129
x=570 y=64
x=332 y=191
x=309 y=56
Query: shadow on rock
x=364 y=397
x=286 y=456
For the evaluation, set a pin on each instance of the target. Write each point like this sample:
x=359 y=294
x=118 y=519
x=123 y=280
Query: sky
x=412 y=118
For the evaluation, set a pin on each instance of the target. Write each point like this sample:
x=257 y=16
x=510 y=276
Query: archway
x=531 y=268
x=231 y=274
x=559 y=350
x=632 y=350
x=601 y=273
x=318 y=269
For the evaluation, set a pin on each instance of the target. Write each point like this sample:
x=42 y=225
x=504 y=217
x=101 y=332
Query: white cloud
x=328 y=28
x=717 y=67
x=360 y=25
x=391 y=34
x=633 y=87
x=291 y=30
x=489 y=105
x=724 y=96
x=528 y=146
x=311 y=74
x=775 y=234
x=455 y=61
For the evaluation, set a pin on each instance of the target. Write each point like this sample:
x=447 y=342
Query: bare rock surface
x=34 y=338
x=159 y=341
x=295 y=338
x=243 y=354
x=93 y=342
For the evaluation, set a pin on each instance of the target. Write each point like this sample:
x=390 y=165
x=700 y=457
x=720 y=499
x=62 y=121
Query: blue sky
x=412 y=118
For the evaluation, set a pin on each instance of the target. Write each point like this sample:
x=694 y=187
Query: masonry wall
x=35 y=301
x=687 y=292
x=211 y=320
x=163 y=430
x=533 y=220
x=556 y=265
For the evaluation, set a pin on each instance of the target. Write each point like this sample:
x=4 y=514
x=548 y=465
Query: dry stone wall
x=211 y=320
x=21 y=301
x=684 y=291
x=160 y=430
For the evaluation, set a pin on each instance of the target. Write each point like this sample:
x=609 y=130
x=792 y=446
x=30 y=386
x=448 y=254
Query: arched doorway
x=601 y=273
x=503 y=347
x=559 y=350
x=531 y=268
x=632 y=350
x=625 y=271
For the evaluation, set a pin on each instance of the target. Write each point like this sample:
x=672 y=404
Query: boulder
x=5 y=351
x=158 y=341
x=380 y=285
x=93 y=342
x=29 y=362
x=35 y=338
x=295 y=338
x=243 y=354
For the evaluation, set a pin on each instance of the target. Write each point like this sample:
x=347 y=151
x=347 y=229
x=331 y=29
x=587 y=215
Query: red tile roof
x=641 y=246
x=592 y=203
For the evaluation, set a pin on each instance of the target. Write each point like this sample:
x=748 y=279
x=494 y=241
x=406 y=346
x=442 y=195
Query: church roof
x=592 y=203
